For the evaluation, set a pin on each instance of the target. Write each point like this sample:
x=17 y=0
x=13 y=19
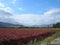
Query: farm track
x=19 y=37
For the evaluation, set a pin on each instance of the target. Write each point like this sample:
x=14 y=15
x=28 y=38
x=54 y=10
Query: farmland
x=22 y=36
x=29 y=28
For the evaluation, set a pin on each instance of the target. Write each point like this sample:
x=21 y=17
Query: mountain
x=3 y=24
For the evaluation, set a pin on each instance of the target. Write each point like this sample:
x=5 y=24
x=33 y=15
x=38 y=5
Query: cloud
x=52 y=16
x=2 y=5
x=52 y=12
x=5 y=8
x=13 y=1
x=4 y=16
x=21 y=8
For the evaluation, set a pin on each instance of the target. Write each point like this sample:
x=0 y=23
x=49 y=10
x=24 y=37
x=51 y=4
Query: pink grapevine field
x=20 y=37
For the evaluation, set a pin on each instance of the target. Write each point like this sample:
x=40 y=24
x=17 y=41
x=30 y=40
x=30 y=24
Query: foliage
x=57 y=25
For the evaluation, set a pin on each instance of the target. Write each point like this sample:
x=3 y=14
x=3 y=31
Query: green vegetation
x=57 y=25
x=31 y=28
x=47 y=40
x=51 y=38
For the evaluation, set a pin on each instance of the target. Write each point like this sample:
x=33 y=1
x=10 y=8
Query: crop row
x=20 y=37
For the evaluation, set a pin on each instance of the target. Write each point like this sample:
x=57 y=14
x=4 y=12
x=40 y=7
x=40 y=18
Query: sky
x=30 y=12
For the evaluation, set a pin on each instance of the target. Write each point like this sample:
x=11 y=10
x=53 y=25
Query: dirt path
x=55 y=42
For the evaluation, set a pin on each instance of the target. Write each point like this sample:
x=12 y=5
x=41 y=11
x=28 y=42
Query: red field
x=20 y=37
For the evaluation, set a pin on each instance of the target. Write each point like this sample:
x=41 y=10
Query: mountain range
x=3 y=24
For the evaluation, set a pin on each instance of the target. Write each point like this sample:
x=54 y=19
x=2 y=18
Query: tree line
x=57 y=25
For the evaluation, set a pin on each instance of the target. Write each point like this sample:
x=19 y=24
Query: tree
x=57 y=25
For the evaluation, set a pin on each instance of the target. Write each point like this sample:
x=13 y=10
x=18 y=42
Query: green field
x=31 y=28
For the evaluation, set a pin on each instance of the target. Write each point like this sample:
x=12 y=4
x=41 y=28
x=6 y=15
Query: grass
x=39 y=28
x=51 y=38
x=31 y=28
x=47 y=40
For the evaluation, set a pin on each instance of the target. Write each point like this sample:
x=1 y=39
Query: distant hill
x=3 y=24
